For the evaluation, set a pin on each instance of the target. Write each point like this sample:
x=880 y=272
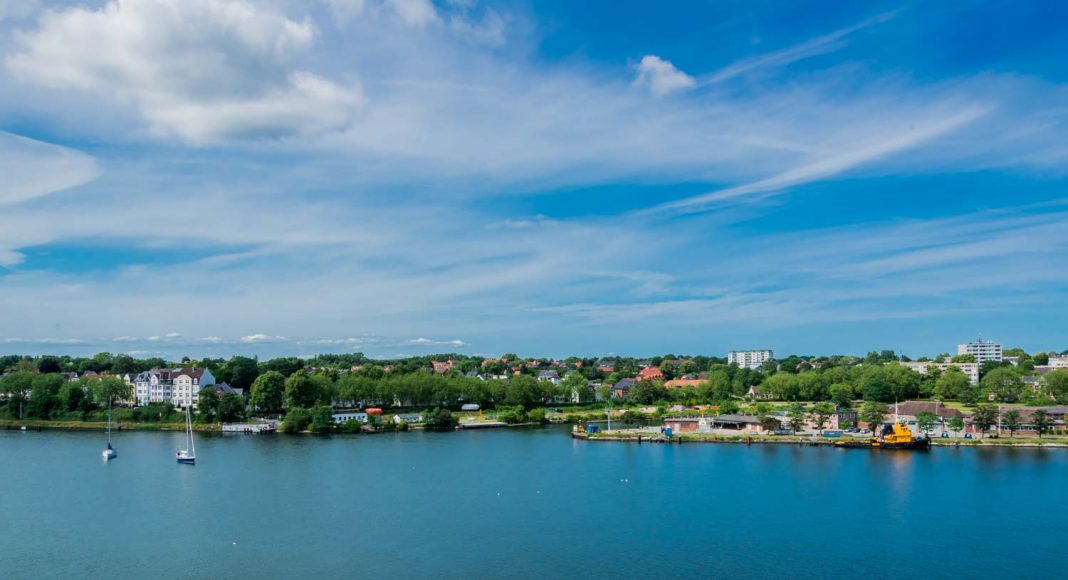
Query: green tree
x=873 y=413
x=523 y=391
x=576 y=387
x=1041 y=359
x=110 y=389
x=296 y=420
x=1003 y=383
x=322 y=419
x=796 y=416
x=440 y=420
x=842 y=394
x=73 y=396
x=926 y=421
x=231 y=407
x=984 y=417
x=48 y=364
x=716 y=388
x=300 y=391
x=1011 y=420
x=44 y=396
x=956 y=425
x=951 y=384
x=821 y=413
x=1040 y=419
x=963 y=358
x=241 y=372
x=267 y=391
x=208 y=404
x=1055 y=384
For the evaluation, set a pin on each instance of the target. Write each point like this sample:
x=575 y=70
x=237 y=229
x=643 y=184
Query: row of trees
x=49 y=396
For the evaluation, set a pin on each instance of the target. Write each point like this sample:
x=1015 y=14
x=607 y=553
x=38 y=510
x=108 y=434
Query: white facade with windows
x=970 y=369
x=752 y=359
x=179 y=387
x=981 y=350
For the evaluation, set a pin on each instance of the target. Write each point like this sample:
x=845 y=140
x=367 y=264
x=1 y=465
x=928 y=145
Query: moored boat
x=894 y=436
x=189 y=454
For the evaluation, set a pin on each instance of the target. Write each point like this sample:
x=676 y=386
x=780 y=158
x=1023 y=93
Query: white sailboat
x=109 y=452
x=189 y=454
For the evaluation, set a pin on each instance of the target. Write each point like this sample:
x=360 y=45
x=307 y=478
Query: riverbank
x=645 y=437
x=42 y=425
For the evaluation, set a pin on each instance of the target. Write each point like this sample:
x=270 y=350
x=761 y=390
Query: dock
x=251 y=428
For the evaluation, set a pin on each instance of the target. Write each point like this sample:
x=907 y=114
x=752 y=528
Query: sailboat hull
x=187 y=460
x=109 y=454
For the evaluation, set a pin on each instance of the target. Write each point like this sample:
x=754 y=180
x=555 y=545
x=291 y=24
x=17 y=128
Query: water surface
x=520 y=503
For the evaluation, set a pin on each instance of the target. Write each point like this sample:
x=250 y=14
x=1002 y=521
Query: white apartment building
x=970 y=369
x=981 y=350
x=752 y=359
x=179 y=387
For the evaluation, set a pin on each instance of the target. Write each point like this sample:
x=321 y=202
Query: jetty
x=262 y=427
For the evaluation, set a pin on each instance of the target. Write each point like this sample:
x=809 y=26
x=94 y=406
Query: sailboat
x=109 y=452
x=189 y=454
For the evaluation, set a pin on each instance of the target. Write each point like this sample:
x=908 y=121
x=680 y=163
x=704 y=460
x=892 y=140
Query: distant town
x=983 y=390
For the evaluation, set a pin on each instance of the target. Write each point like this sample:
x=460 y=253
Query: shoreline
x=764 y=440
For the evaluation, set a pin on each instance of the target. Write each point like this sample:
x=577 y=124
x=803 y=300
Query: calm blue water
x=520 y=503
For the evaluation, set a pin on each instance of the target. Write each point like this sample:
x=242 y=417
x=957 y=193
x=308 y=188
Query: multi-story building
x=981 y=350
x=752 y=359
x=179 y=387
x=970 y=369
x=1058 y=362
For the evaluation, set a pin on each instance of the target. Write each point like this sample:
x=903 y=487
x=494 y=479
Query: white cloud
x=345 y=11
x=201 y=70
x=212 y=339
x=661 y=77
x=19 y=9
x=417 y=13
x=809 y=48
x=827 y=166
x=31 y=169
x=259 y=337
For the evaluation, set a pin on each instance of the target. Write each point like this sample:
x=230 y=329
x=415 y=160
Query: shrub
x=351 y=426
x=440 y=420
x=296 y=420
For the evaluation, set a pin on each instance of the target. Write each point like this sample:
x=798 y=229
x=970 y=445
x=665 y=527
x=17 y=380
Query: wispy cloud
x=832 y=165
x=813 y=47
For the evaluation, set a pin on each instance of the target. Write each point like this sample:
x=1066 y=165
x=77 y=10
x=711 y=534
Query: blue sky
x=397 y=177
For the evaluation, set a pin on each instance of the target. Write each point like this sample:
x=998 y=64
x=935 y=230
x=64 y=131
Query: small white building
x=350 y=416
x=981 y=350
x=750 y=359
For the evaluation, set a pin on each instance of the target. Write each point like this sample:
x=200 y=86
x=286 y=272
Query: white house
x=186 y=385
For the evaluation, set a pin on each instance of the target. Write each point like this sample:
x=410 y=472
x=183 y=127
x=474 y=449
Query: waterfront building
x=180 y=387
x=350 y=416
x=970 y=369
x=751 y=359
x=981 y=350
